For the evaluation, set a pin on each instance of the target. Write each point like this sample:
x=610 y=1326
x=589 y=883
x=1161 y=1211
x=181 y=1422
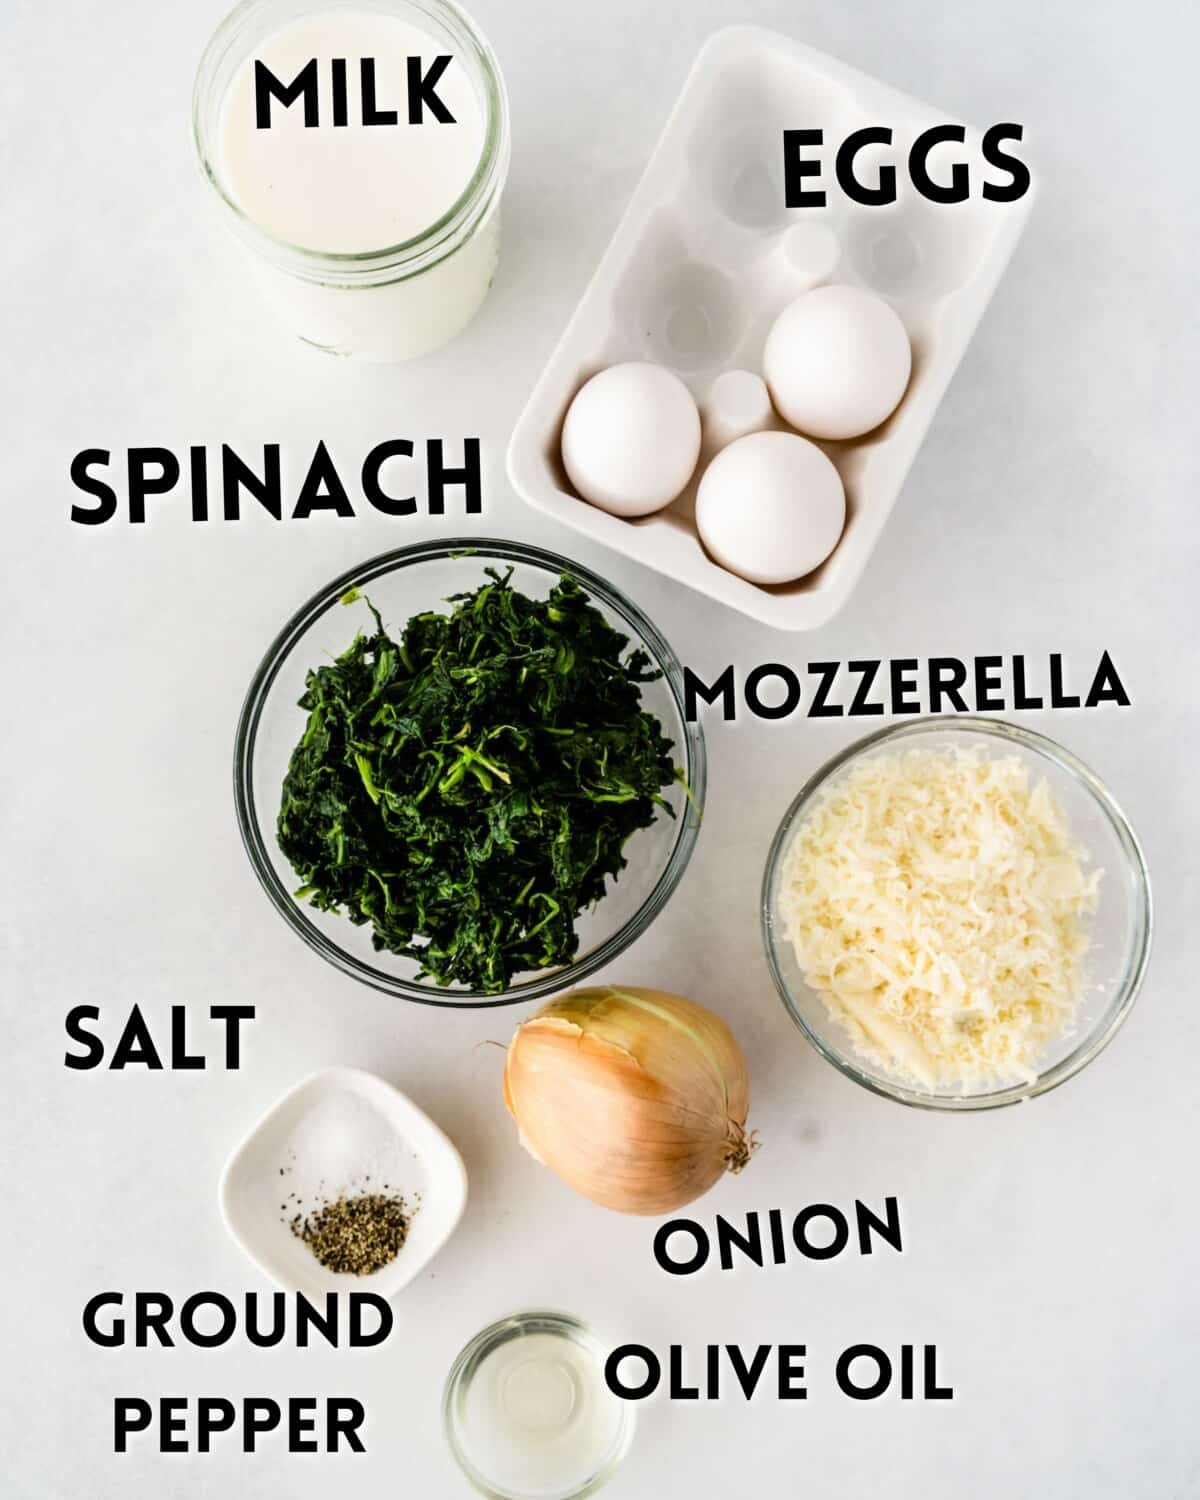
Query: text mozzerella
x=906 y=685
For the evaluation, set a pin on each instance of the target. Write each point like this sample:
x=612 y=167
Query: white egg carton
x=707 y=256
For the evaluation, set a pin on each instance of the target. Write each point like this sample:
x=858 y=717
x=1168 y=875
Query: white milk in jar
x=359 y=152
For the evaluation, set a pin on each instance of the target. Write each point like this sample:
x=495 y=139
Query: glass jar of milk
x=358 y=149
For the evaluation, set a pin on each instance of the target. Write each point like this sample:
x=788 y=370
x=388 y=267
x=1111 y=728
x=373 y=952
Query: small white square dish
x=708 y=255
x=341 y=1132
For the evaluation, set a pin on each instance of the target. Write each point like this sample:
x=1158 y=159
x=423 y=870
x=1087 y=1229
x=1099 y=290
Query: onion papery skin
x=635 y=1097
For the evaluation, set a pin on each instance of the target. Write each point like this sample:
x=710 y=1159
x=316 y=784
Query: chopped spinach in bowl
x=469 y=788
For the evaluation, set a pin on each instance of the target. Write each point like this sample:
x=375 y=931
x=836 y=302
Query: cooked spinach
x=469 y=788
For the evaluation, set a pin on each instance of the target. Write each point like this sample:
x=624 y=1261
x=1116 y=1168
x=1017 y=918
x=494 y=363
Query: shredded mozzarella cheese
x=935 y=901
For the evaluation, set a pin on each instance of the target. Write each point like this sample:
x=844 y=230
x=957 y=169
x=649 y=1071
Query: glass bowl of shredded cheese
x=956 y=913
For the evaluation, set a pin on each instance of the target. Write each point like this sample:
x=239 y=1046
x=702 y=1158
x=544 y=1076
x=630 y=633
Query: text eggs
x=837 y=362
x=631 y=439
x=770 y=507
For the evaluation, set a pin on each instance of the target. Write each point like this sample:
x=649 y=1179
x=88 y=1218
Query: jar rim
x=225 y=53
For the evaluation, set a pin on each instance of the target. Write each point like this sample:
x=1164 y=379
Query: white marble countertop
x=1048 y=1249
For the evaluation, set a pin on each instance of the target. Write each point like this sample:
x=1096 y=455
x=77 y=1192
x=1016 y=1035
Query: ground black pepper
x=357 y=1234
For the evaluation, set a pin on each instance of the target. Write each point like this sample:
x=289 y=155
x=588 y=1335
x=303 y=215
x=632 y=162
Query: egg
x=837 y=362
x=770 y=507
x=631 y=439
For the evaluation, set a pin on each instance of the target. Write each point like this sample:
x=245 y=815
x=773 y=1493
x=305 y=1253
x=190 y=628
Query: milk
x=392 y=321
x=354 y=188
x=364 y=174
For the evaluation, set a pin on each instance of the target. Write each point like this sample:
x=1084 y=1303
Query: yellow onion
x=635 y=1098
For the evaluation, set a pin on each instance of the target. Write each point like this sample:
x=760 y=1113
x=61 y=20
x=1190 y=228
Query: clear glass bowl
x=527 y=1414
x=1119 y=930
x=401 y=584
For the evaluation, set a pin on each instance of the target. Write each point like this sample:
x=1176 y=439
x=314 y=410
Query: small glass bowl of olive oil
x=528 y=1414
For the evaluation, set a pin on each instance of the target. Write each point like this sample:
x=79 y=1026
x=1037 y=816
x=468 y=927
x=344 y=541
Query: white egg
x=770 y=507
x=631 y=439
x=837 y=362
